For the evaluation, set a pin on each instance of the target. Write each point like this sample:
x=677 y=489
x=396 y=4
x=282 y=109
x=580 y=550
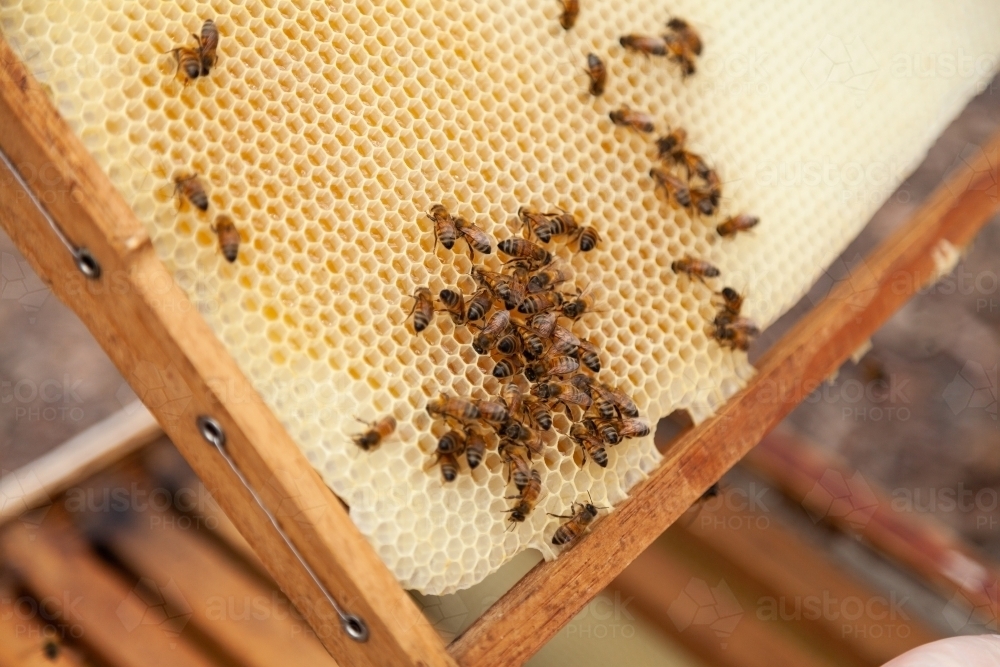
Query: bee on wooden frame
x=583 y=515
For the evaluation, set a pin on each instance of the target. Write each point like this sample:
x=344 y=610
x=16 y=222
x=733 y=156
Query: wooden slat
x=93 y=449
x=87 y=593
x=228 y=604
x=785 y=567
x=654 y=581
x=552 y=593
x=153 y=334
x=22 y=639
x=914 y=540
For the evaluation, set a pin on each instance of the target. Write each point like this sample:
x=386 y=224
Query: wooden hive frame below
x=140 y=317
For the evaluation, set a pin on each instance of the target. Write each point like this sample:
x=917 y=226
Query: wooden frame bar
x=552 y=593
x=145 y=323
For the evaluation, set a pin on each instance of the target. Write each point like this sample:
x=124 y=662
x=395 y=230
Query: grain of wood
x=22 y=640
x=119 y=626
x=552 y=593
x=789 y=569
x=146 y=325
x=229 y=605
x=655 y=581
x=915 y=541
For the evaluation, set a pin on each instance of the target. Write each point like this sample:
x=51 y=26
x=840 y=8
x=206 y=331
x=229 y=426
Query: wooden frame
x=143 y=320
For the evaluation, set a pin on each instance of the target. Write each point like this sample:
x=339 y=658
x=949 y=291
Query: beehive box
x=326 y=132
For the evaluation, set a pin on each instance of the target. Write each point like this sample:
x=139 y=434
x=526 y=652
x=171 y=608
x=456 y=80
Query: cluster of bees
x=194 y=62
x=517 y=316
x=698 y=188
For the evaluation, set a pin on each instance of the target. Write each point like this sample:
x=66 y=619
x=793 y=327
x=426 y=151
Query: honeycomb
x=326 y=131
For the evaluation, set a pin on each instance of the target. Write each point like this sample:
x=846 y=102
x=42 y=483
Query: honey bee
x=495 y=327
x=533 y=220
x=736 y=339
x=678 y=193
x=517 y=457
x=459 y=409
x=188 y=186
x=515 y=431
x=528 y=498
x=578 y=306
x=534 y=346
x=598 y=74
x=589 y=238
x=510 y=344
x=188 y=62
x=454 y=304
x=564 y=341
x=515 y=288
x=449 y=466
x=549 y=277
x=695 y=268
x=556 y=364
x=493 y=412
x=739 y=223
x=672 y=143
x=683 y=30
x=208 y=44
x=506 y=367
x=543 y=324
x=679 y=53
x=577 y=524
x=376 y=433
x=606 y=429
x=637 y=120
x=604 y=408
x=622 y=402
x=444 y=226
x=732 y=301
x=590 y=445
x=569 y=13
x=538 y=413
x=564 y=393
x=451 y=442
x=633 y=428
x=512 y=397
x=523 y=250
x=478 y=305
x=423 y=309
x=229 y=237
x=475 y=238
x=587 y=354
x=650 y=46
x=741 y=324
x=704 y=199
x=475 y=449
x=558 y=224
x=541 y=302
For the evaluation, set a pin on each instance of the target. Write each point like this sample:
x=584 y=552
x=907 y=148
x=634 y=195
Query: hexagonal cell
x=327 y=135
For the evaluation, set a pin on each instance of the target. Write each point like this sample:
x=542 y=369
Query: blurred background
x=868 y=523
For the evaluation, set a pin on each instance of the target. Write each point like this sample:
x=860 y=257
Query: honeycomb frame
x=313 y=114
